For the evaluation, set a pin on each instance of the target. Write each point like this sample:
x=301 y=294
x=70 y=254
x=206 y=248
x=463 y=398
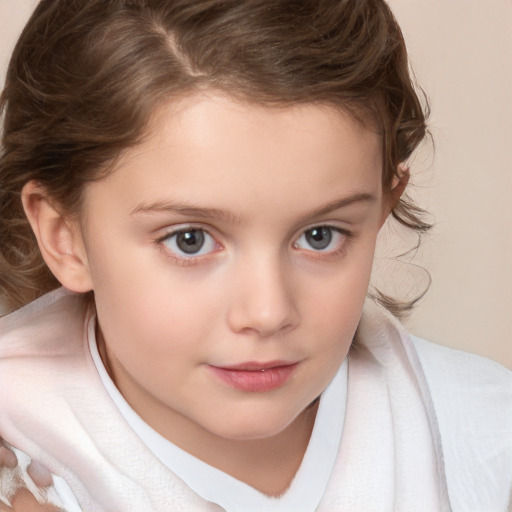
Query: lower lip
x=255 y=381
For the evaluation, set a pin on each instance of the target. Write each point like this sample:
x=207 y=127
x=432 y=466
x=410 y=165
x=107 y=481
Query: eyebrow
x=360 y=197
x=189 y=210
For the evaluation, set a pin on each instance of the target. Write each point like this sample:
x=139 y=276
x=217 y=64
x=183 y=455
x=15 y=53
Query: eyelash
x=346 y=235
x=194 y=259
x=184 y=260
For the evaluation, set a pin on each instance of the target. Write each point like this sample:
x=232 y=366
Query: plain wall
x=461 y=51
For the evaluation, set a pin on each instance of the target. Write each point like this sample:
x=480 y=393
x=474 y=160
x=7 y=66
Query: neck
x=268 y=465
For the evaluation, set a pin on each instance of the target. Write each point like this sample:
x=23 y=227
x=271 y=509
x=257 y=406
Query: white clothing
x=309 y=484
x=426 y=428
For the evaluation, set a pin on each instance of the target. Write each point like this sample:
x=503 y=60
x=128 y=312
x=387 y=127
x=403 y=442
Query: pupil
x=191 y=241
x=319 y=238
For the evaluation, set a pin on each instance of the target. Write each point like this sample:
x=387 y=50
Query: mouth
x=255 y=377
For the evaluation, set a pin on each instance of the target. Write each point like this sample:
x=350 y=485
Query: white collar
x=306 y=489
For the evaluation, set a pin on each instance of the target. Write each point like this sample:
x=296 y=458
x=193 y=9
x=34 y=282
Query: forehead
x=213 y=148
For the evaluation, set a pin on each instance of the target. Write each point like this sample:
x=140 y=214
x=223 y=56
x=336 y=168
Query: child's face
x=237 y=238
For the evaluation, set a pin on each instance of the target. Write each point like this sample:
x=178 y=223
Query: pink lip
x=255 y=377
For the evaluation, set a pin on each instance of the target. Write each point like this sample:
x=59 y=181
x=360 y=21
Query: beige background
x=461 y=51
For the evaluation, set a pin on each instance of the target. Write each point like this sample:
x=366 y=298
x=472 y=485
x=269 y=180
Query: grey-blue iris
x=319 y=238
x=190 y=241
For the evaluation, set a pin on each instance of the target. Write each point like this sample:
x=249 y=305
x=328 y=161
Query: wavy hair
x=86 y=76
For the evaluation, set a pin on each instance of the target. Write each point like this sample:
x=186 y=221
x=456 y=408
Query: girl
x=190 y=198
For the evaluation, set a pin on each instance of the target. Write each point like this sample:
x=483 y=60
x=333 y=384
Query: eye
x=189 y=243
x=321 y=239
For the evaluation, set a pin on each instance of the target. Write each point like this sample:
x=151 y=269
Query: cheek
x=344 y=285
x=334 y=305
x=169 y=318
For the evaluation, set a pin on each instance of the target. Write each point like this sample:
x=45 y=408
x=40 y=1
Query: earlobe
x=58 y=237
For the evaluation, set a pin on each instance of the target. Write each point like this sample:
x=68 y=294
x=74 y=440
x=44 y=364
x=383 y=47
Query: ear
x=398 y=186
x=59 y=239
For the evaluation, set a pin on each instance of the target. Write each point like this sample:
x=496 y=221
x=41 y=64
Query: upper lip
x=254 y=366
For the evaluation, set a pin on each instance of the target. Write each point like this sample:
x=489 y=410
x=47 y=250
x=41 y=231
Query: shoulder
x=453 y=372
x=471 y=394
x=42 y=355
x=43 y=359
x=472 y=399
x=40 y=345
x=43 y=326
x=56 y=410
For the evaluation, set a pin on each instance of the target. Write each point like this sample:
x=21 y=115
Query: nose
x=264 y=299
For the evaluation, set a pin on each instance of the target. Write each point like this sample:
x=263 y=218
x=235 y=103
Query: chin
x=255 y=426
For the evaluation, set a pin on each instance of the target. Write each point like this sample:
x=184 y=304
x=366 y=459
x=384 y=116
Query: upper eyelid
x=169 y=231
x=160 y=240
x=347 y=238
x=182 y=259
x=346 y=233
x=330 y=225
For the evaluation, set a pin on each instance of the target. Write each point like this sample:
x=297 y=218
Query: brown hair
x=86 y=76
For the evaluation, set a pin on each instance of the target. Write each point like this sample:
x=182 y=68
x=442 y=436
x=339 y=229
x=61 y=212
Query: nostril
x=263 y=322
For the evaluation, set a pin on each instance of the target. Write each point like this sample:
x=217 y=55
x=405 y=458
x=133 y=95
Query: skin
x=255 y=180
x=23 y=500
